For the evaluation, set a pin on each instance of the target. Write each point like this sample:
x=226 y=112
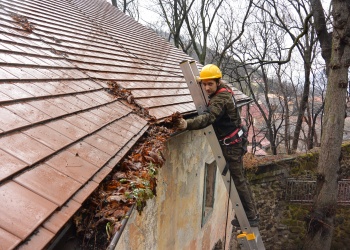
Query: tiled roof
x=61 y=131
x=105 y=44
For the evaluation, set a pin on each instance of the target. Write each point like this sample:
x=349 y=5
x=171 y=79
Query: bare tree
x=336 y=52
x=199 y=24
x=315 y=108
x=230 y=31
x=293 y=23
x=263 y=42
x=202 y=27
x=129 y=7
x=174 y=13
x=283 y=89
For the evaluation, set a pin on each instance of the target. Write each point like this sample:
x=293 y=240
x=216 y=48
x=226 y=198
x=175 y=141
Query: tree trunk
x=320 y=224
x=313 y=138
x=286 y=126
x=271 y=137
x=321 y=220
x=303 y=102
x=286 y=114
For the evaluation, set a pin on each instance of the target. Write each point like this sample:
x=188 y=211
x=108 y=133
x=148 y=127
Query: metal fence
x=304 y=190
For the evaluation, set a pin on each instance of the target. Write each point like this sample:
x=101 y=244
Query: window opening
x=209 y=190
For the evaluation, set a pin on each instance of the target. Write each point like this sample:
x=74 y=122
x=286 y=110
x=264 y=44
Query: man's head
x=210 y=76
x=211 y=85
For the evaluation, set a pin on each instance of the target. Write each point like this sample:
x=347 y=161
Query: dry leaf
x=119 y=175
x=117 y=198
x=119 y=213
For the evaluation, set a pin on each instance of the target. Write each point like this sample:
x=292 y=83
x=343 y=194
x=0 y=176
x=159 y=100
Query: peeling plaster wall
x=172 y=220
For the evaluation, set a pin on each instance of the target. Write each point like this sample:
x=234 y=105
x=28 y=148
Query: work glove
x=182 y=124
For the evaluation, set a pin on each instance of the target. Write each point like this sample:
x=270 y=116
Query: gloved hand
x=182 y=124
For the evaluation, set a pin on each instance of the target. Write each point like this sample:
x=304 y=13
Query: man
x=225 y=118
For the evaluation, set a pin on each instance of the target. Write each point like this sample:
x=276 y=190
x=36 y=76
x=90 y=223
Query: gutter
x=112 y=245
x=118 y=234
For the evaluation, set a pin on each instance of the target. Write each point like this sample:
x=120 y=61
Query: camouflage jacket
x=221 y=113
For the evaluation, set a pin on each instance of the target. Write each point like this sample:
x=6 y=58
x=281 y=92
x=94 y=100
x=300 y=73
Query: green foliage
x=141 y=192
x=109 y=229
x=152 y=170
x=141 y=195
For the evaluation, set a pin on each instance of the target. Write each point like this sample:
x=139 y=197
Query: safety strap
x=233 y=138
x=233 y=97
x=225 y=89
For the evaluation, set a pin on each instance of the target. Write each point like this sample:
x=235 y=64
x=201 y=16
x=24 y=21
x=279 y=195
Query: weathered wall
x=282 y=224
x=172 y=220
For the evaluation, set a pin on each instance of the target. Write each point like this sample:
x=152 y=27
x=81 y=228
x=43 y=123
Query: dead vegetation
x=128 y=99
x=56 y=52
x=23 y=22
x=250 y=161
x=173 y=120
x=119 y=92
x=134 y=181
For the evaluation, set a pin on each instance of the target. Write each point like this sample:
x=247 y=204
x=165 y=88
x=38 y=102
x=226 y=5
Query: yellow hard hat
x=210 y=71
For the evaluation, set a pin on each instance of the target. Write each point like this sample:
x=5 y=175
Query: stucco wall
x=172 y=220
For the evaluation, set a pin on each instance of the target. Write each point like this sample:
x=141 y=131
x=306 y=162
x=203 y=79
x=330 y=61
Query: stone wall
x=282 y=223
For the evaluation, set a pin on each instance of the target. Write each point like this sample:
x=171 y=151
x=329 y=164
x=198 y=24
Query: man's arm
x=216 y=110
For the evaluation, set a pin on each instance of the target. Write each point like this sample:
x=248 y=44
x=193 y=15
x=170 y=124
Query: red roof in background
x=257 y=151
x=254 y=110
